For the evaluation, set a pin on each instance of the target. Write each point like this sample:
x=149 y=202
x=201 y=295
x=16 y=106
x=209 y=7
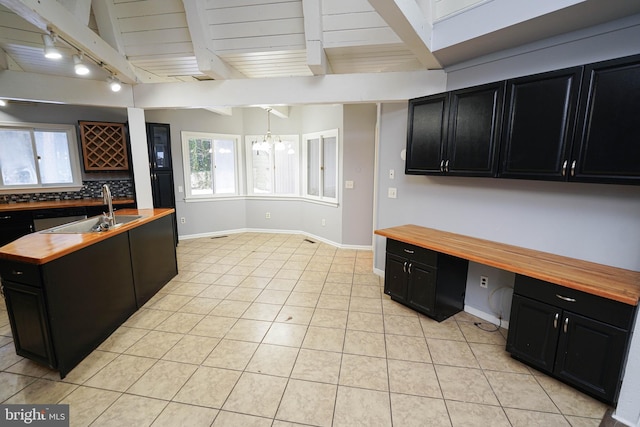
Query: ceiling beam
x=52 y=16
x=208 y=62
x=408 y=21
x=4 y=62
x=316 y=57
x=81 y=9
x=103 y=11
x=223 y=111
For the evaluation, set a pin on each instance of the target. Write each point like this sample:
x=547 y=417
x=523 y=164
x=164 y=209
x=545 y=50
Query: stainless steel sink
x=94 y=224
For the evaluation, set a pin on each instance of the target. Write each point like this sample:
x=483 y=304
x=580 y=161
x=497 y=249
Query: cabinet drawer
x=415 y=253
x=603 y=309
x=28 y=274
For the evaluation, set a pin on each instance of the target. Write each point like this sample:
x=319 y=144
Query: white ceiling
x=153 y=41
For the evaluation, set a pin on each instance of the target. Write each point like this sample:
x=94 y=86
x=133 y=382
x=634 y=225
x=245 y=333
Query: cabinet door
x=426 y=134
x=421 y=291
x=533 y=332
x=14 y=225
x=539 y=119
x=28 y=318
x=608 y=134
x=474 y=130
x=162 y=189
x=159 y=139
x=395 y=277
x=590 y=355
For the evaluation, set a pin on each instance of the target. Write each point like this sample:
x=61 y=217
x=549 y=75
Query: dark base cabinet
x=579 y=338
x=64 y=309
x=430 y=282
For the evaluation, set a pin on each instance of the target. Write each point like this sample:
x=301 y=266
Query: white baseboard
x=486 y=316
x=258 y=230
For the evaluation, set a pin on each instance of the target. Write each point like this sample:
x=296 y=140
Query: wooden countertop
x=41 y=247
x=610 y=282
x=52 y=204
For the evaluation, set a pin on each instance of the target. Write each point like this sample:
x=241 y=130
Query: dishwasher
x=47 y=218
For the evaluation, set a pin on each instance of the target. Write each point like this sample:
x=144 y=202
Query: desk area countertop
x=42 y=247
x=609 y=282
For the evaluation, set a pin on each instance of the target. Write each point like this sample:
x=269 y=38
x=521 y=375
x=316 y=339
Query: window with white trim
x=210 y=164
x=321 y=165
x=39 y=157
x=273 y=168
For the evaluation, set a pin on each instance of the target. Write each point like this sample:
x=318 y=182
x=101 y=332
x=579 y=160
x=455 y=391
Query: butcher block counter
x=67 y=292
x=609 y=282
x=42 y=247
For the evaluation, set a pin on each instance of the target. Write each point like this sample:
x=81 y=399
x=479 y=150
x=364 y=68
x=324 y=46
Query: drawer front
x=415 y=253
x=28 y=274
x=598 y=308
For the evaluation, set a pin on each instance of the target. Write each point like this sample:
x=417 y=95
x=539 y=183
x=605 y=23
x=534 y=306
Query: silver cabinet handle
x=17 y=273
x=5 y=217
x=567 y=299
x=566 y=323
x=446 y=166
x=409 y=269
x=555 y=321
x=564 y=168
x=441 y=165
x=404 y=266
x=409 y=251
x=573 y=168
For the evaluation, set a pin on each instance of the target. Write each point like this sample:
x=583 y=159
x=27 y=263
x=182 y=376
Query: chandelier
x=268 y=140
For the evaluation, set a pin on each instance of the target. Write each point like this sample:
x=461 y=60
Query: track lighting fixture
x=114 y=84
x=3 y=102
x=50 y=50
x=79 y=66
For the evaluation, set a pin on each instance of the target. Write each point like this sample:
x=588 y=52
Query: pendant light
x=268 y=140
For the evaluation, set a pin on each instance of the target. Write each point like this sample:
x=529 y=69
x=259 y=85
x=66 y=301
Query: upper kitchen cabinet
x=607 y=143
x=427 y=130
x=474 y=130
x=455 y=133
x=540 y=113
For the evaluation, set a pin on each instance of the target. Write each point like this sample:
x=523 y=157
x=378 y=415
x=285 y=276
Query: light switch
x=180 y=189
x=348 y=184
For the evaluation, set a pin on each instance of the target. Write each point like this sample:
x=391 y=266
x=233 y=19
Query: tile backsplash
x=121 y=188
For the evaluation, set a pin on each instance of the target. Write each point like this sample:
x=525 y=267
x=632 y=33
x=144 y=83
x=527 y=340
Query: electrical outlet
x=182 y=220
x=267 y=215
x=392 y=174
x=484 y=282
x=324 y=222
x=392 y=193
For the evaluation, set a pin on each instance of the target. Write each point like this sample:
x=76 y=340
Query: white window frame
x=185 y=136
x=332 y=133
x=249 y=141
x=74 y=159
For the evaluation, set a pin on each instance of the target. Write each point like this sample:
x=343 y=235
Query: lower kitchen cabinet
x=430 y=282
x=62 y=310
x=579 y=338
x=14 y=225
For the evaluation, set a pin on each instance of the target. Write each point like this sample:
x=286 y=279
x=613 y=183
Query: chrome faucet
x=107 y=199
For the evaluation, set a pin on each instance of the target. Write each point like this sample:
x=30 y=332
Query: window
x=210 y=164
x=321 y=161
x=273 y=169
x=37 y=157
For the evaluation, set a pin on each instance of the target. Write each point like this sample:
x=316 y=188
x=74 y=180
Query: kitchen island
x=67 y=292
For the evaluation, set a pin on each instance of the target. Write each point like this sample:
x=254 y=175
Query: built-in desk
x=571 y=319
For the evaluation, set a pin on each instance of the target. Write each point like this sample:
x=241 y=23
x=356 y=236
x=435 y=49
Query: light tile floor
x=273 y=330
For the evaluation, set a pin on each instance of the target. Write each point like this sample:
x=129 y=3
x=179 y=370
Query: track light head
x=50 y=50
x=79 y=66
x=114 y=84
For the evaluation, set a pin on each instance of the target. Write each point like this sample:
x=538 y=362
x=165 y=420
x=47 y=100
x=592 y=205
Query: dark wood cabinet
x=607 y=147
x=540 y=112
x=14 y=225
x=431 y=283
x=161 y=168
x=456 y=133
x=62 y=310
x=427 y=132
x=475 y=117
x=579 y=338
